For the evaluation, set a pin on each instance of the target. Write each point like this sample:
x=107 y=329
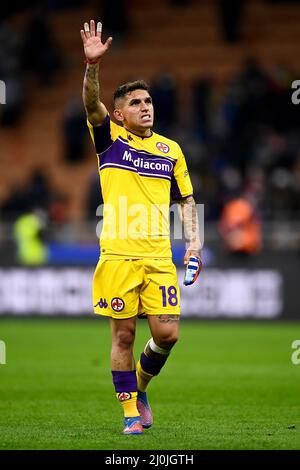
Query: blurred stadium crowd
x=240 y=134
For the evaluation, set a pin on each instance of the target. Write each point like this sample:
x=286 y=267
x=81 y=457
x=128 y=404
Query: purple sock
x=150 y=365
x=124 y=380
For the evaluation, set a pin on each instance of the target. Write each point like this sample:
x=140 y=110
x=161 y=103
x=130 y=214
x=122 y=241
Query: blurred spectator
x=65 y=4
x=115 y=19
x=59 y=209
x=164 y=94
x=201 y=106
x=74 y=131
x=296 y=186
x=179 y=3
x=36 y=194
x=94 y=196
x=38 y=191
x=10 y=48
x=242 y=111
x=240 y=227
x=12 y=74
x=40 y=53
x=29 y=230
x=13 y=205
x=14 y=108
x=230 y=17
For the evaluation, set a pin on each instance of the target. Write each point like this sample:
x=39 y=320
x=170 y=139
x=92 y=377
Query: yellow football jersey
x=138 y=176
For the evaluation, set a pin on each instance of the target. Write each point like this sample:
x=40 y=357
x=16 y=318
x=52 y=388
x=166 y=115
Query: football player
x=139 y=172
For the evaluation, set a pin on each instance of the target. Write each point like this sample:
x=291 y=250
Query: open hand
x=94 y=49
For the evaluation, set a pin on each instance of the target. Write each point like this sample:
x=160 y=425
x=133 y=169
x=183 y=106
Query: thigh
x=164 y=329
x=116 y=288
x=160 y=293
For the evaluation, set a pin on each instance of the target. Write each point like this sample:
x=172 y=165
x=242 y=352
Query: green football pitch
x=227 y=385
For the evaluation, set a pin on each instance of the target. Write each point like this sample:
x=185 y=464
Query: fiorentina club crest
x=124 y=396
x=164 y=148
x=117 y=304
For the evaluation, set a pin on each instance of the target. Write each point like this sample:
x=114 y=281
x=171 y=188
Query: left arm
x=192 y=257
x=181 y=191
x=188 y=211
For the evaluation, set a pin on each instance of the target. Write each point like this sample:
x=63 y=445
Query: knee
x=167 y=339
x=124 y=339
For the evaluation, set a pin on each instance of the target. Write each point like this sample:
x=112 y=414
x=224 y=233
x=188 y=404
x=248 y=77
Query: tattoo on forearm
x=91 y=87
x=190 y=221
x=168 y=318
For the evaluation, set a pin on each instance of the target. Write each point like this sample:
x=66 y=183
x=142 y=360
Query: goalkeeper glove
x=192 y=270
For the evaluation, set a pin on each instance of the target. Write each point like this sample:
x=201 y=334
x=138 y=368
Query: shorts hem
x=124 y=317
x=160 y=312
x=116 y=317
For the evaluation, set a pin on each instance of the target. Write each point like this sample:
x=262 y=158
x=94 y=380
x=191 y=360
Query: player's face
x=136 y=111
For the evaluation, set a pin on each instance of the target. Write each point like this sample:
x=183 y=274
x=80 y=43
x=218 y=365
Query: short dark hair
x=127 y=87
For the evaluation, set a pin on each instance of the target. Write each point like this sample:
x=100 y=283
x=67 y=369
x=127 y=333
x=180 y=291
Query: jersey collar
x=146 y=136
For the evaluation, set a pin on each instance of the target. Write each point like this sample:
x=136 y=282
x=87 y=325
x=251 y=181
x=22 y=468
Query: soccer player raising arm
x=140 y=171
x=94 y=49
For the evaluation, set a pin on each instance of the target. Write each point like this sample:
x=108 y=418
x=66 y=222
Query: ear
x=118 y=115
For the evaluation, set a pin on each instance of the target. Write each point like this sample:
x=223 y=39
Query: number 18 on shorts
x=125 y=288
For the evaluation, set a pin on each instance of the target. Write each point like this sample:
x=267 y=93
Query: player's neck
x=141 y=133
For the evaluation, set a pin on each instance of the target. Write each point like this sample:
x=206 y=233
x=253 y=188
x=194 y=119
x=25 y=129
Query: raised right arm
x=94 y=49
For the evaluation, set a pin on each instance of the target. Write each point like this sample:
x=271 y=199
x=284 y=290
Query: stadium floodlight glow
x=2 y=92
x=2 y=352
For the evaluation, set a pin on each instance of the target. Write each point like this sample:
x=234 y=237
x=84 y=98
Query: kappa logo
x=117 y=304
x=164 y=148
x=102 y=303
x=124 y=396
